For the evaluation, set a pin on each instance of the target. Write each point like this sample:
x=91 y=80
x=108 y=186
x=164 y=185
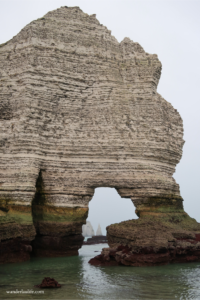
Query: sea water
x=80 y=280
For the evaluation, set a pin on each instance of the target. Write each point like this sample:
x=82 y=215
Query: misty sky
x=171 y=30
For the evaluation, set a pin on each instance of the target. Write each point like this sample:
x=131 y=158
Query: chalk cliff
x=79 y=110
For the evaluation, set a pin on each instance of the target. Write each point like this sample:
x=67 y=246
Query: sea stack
x=99 y=230
x=79 y=110
x=87 y=230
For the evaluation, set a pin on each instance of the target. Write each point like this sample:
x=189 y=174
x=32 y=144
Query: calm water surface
x=83 y=281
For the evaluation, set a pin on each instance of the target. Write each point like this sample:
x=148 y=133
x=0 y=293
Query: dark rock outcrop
x=48 y=282
x=55 y=246
x=151 y=241
x=15 y=240
x=98 y=239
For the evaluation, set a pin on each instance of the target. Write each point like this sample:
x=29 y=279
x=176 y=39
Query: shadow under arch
x=59 y=229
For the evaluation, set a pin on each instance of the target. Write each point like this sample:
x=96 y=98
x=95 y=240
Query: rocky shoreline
x=151 y=242
x=100 y=239
x=122 y=255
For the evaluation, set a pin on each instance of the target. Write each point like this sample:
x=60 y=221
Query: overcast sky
x=171 y=29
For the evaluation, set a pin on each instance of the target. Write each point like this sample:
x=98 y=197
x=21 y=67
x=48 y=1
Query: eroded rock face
x=151 y=241
x=79 y=110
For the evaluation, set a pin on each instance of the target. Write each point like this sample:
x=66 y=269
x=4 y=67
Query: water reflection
x=83 y=281
x=167 y=282
x=179 y=281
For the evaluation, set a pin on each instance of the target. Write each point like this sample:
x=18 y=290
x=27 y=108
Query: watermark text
x=24 y=292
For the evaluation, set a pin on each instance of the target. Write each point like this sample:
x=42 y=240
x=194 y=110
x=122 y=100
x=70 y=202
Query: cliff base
x=151 y=241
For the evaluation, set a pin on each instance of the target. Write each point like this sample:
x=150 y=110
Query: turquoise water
x=83 y=281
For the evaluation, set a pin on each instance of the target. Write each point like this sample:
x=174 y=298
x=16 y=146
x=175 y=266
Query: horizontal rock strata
x=15 y=239
x=79 y=110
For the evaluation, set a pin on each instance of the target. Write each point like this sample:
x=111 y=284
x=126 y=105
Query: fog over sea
x=80 y=280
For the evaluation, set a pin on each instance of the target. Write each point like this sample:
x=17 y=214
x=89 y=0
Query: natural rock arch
x=80 y=110
x=107 y=207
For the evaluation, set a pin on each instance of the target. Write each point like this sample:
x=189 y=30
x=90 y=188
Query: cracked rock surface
x=79 y=110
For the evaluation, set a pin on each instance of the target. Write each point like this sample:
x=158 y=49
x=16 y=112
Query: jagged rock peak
x=87 y=229
x=99 y=232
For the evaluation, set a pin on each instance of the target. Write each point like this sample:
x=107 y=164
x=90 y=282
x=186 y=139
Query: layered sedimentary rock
x=79 y=110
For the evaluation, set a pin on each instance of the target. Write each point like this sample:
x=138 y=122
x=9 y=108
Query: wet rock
x=100 y=239
x=28 y=248
x=14 y=250
x=150 y=242
x=48 y=282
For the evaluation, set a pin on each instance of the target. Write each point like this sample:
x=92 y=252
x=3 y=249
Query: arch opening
x=107 y=207
x=59 y=228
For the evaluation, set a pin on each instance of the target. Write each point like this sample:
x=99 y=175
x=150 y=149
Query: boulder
x=48 y=282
